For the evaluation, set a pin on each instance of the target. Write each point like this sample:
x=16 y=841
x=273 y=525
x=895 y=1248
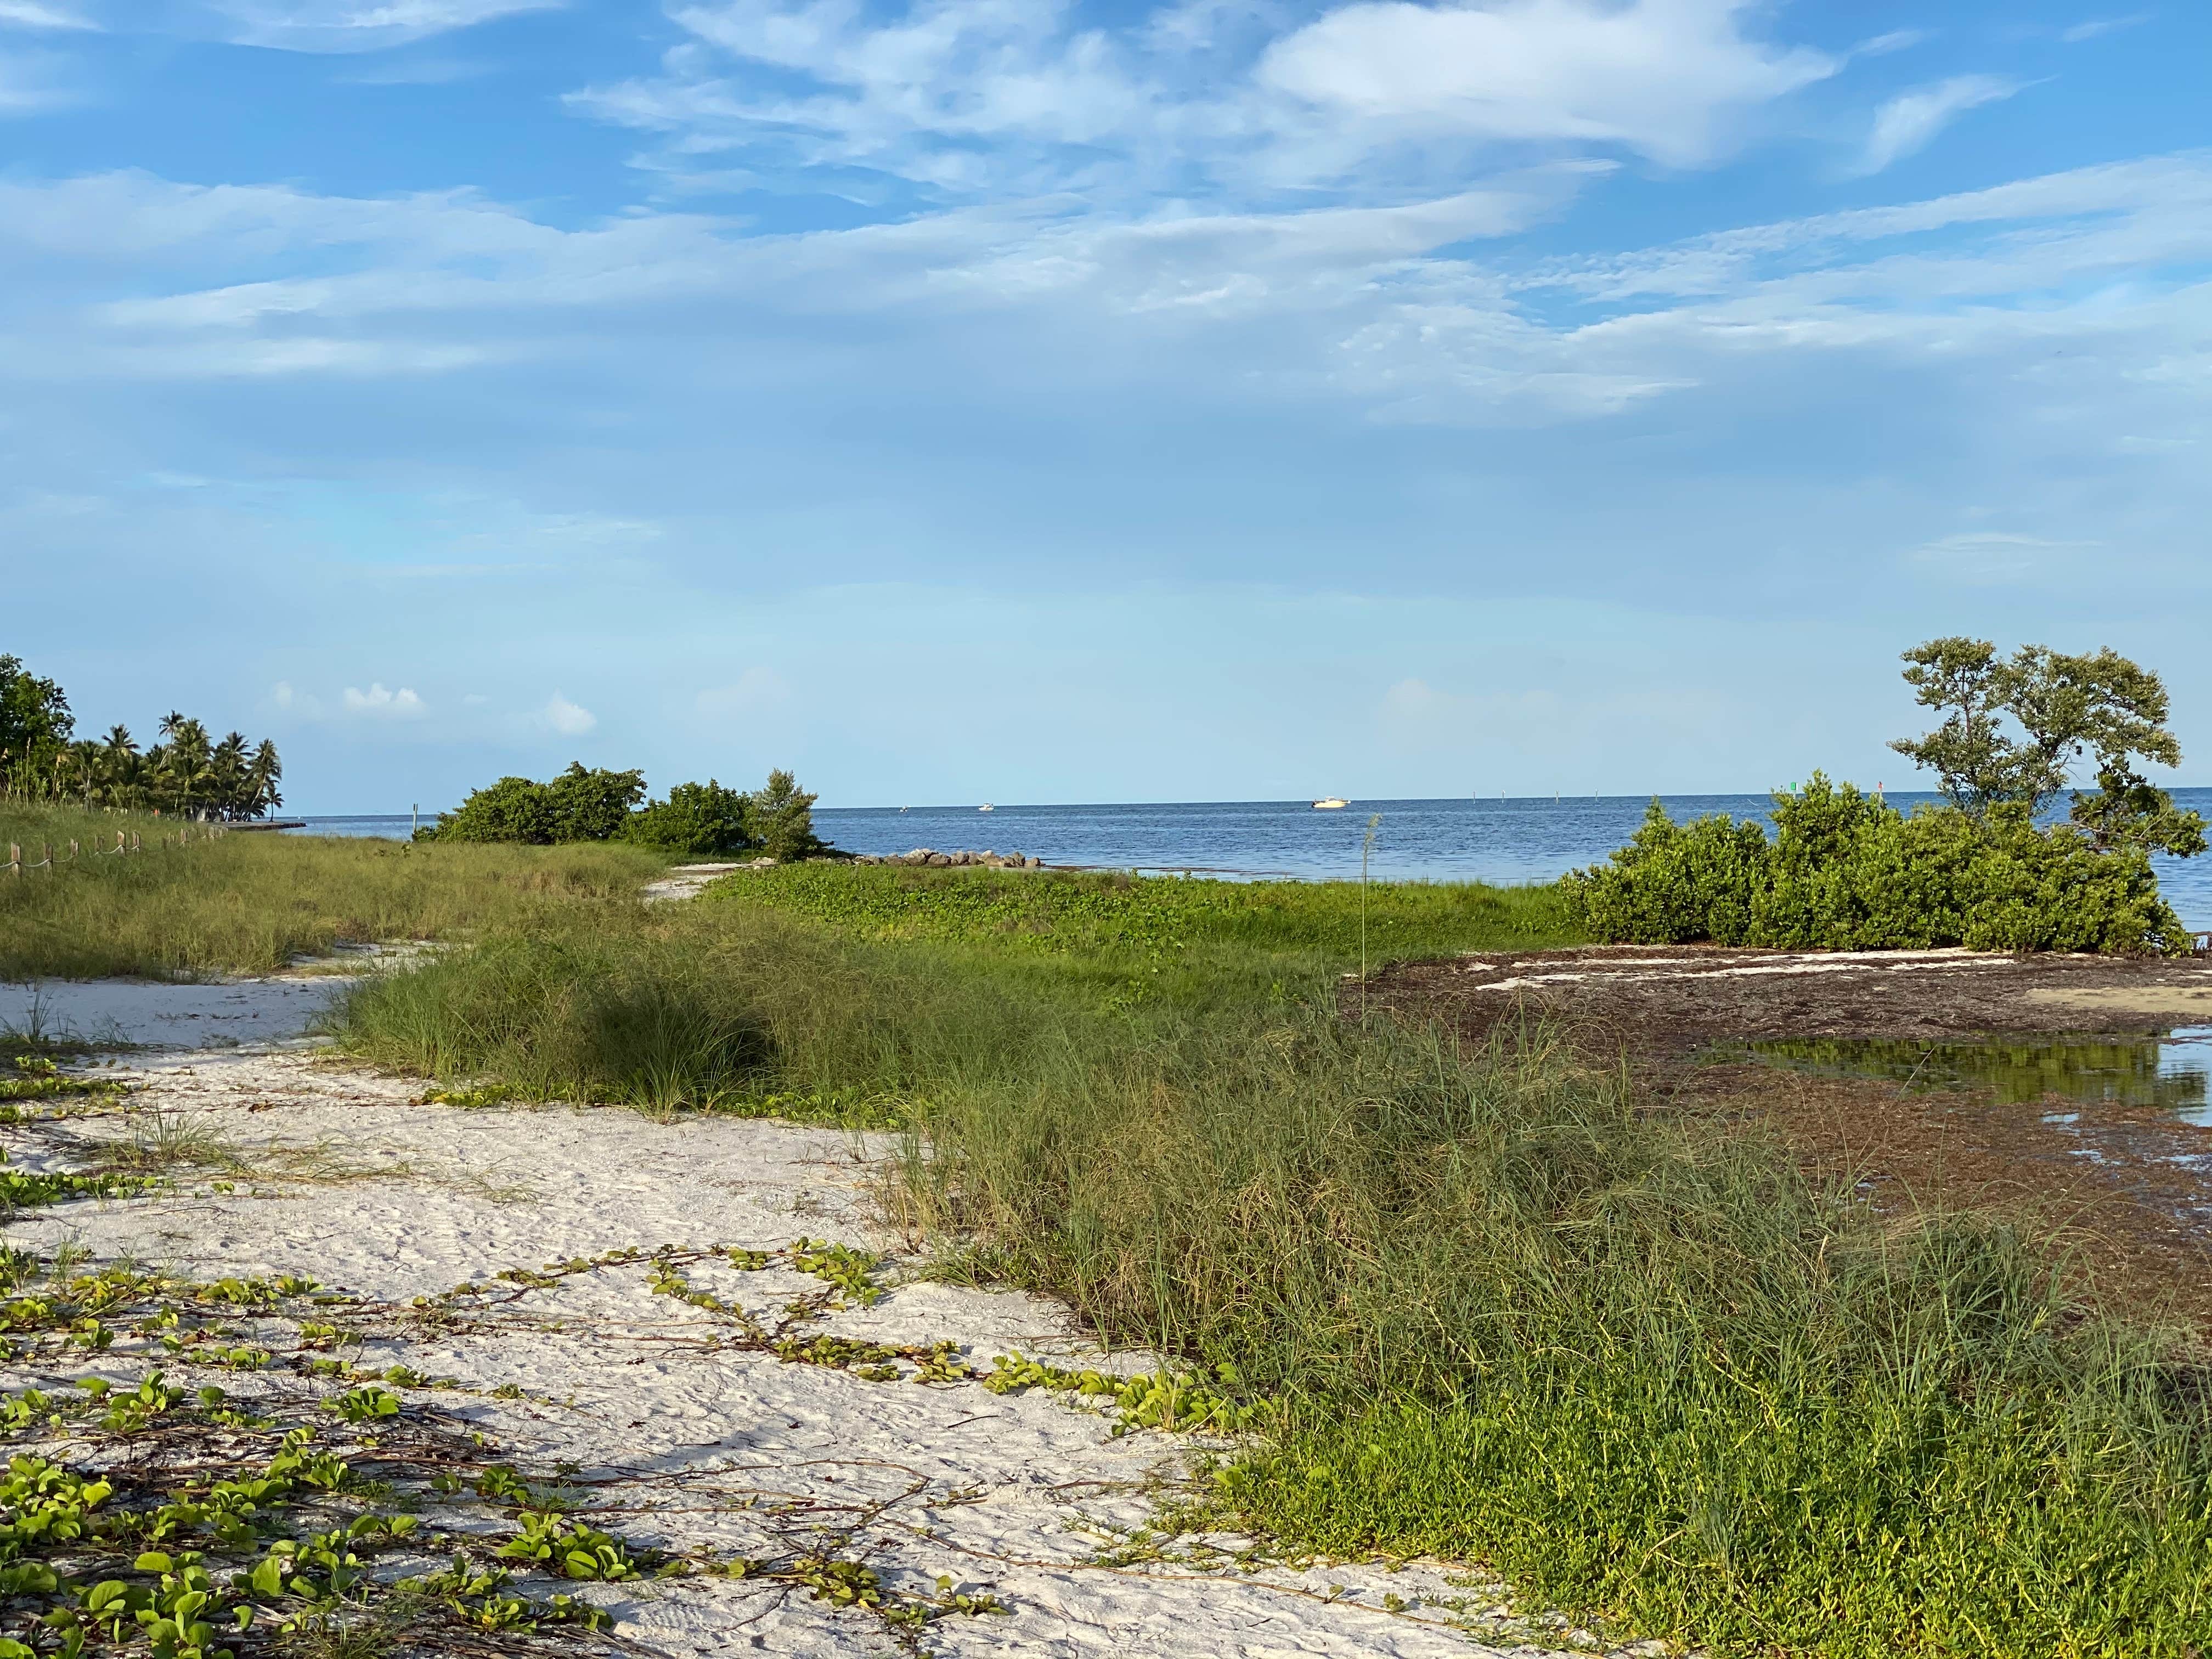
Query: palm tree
x=226 y=776
x=262 y=773
x=84 y=761
x=186 y=762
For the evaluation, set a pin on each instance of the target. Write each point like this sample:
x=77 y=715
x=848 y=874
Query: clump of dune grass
x=1636 y=1363
x=247 y=902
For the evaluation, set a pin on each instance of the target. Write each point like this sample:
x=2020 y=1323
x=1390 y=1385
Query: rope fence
x=127 y=842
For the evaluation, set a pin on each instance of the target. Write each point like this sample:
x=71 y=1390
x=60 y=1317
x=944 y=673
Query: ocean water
x=1466 y=839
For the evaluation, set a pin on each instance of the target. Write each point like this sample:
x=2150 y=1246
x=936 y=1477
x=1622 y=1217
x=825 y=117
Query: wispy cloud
x=1907 y=123
x=347 y=26
x=1397 y=311
x=1980 y=557
x=2091 y=28
x=380 y=703
x=567 y=718
x=1662 y=77
x=1896 y=41
x=37 y=15
x=962 y=99
x=292 y=701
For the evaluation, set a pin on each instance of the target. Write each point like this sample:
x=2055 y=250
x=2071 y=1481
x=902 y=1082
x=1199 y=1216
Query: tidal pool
x=2173 y=1070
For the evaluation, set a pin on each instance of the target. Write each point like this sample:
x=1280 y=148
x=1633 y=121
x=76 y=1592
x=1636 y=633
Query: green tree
x=780 y=818
x=35 y=722
x=186 y=763
x=263 y=773
x=513 y=809
x=228 y=791
x=2019 y=729
x=592 y=805
x=697 y=820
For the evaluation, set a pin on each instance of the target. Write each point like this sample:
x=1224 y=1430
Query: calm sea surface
x=1497 y=841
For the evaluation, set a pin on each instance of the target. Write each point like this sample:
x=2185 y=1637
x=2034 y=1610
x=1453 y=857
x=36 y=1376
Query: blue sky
x=998 y=399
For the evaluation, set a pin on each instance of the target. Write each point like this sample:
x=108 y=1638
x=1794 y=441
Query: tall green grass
x=1632 y=1360
x=246 y=903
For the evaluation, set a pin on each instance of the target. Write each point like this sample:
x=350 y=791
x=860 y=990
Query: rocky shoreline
x=934 y=859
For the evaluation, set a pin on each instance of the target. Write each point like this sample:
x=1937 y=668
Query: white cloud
x=1396 y=310
x=1989 y=557
x=1896 y=41
x=1908 y=122
x=754 y=689
x=963 y=99
x=1665 y=77
x=34 y=15
x=305 y=705
x=2090 y=29
x=566 y=717
x=379 y=703
x=347 y=26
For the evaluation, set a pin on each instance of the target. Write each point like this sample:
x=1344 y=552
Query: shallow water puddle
x=2174 y=1071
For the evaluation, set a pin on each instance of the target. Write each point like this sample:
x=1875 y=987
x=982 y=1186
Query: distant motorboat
x=987 y=808
x=1331 y=803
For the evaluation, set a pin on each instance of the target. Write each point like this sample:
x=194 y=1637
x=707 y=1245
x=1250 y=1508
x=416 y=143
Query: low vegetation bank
x=249 y=903
x=1501 y=1308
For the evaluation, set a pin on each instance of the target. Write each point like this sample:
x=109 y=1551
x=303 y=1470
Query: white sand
x=686 y=880
x=730 y=1451
x=1638 y=970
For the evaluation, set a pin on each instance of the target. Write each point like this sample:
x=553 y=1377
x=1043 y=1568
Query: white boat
x=987 y=808
x=1331 y=803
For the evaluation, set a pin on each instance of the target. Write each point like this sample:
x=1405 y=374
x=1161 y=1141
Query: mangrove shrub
x=1846 y=871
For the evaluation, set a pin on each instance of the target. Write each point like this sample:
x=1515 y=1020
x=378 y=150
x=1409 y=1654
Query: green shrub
x=696 y=820
x=1847 y=871
x=592 y=805
x=577 y=805
x=513 y=810
x=781 y=818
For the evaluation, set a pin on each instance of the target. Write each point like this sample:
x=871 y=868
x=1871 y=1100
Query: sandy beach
x=687 y=1433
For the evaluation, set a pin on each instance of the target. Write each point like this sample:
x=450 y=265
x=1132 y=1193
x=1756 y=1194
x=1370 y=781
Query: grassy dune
x=1633 y=1360
x=246 y=902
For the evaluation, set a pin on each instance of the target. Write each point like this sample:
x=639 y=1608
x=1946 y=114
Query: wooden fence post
x=15 y=860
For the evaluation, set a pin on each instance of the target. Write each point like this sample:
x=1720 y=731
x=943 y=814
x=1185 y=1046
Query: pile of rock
x=983 y=861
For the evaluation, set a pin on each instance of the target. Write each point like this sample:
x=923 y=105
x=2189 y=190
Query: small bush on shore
x=697 y=820
x=576 y=805
x=1849 y=872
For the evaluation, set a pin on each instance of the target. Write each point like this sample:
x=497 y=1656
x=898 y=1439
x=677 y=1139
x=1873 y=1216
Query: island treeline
x=188 y=772
x=694 y=820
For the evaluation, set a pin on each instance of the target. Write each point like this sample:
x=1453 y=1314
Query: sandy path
x=709 y=1445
